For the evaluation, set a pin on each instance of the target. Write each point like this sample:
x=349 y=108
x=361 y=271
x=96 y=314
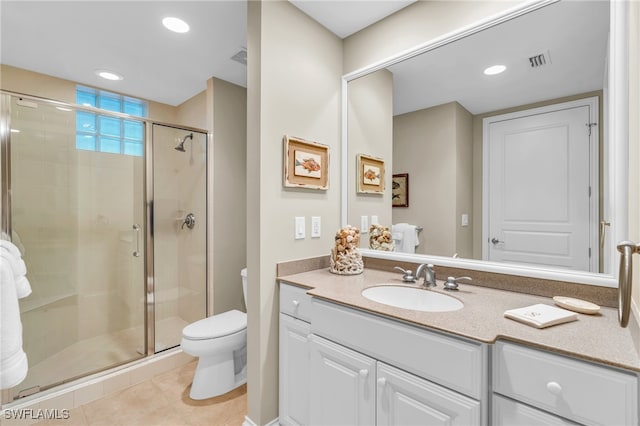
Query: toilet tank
x=243 y=273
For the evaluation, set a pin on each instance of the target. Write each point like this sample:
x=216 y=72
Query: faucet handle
x=452 y=282
x=408 y=276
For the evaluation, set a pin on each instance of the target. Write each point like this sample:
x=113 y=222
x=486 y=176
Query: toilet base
x=215 y=376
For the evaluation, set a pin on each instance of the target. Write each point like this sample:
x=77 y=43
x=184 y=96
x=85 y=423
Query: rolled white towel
x=10 y=246
x=13 y=360
x=19 y=271
x=17 y=264
x=23 y=287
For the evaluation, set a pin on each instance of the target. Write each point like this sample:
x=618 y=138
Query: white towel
x=541 y=315
x=19 y=269
x=8 y=245
x=13 y=360
x=409 y=237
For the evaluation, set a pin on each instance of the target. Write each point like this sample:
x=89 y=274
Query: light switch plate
x=299 y=231
x=364 y=224
x=315 y=226
x=374 y=220
x=465 y=220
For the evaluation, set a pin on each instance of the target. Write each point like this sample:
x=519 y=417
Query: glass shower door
x=179 y=231
x=77 y=214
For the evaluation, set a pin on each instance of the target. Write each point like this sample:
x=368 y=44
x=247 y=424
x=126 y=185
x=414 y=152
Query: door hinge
x=589 y=252
x=590 y=125
x=589 y=191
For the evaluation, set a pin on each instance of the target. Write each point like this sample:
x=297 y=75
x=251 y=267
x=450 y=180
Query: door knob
x=495 y=241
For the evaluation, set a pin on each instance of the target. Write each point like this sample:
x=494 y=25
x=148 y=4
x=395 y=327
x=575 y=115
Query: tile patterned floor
x=163 y=400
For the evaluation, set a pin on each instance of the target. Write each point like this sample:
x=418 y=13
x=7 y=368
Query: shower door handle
x=190 y=221
x=136 y=230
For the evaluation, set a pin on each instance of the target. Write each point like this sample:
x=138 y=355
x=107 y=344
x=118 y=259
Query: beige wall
x=433 y=145
x=229 y=204
x=293 y=88
x=414 y=25
x=370 y=117
x=193 y=111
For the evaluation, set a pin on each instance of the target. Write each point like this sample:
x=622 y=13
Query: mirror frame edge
x=617 y=134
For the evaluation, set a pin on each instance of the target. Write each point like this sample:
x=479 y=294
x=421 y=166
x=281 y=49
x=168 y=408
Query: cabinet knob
x=382 y=382
x=295 y=303
x=364 y=373
x=554 y=388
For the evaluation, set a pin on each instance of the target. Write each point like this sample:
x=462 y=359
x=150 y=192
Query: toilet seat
x=216 y=326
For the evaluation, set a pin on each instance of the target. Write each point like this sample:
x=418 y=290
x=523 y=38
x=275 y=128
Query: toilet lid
x=216 y=326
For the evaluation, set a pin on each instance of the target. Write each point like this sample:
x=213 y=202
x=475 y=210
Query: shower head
x=180 y=146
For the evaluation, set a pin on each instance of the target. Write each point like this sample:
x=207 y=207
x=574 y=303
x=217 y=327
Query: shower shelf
x=27 y=305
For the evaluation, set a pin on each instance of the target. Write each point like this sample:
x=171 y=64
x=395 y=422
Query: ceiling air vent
x=241 y=56
x=539 y=60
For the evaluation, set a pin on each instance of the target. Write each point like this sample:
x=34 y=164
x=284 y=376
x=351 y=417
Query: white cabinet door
x=405 y=400
x=342 y=385
x=294 y=371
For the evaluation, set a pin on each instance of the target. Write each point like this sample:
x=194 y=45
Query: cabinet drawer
x=295 y=301
x=448 y=361
x=577 y=390
x=507 y=412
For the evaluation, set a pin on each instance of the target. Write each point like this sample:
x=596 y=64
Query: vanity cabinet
x=575 y=390
x=368 y=370
x=295 y=332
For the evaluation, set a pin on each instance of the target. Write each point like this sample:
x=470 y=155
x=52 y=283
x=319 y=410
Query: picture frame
x=370 y=177
x=400 y=190
x=306 y=164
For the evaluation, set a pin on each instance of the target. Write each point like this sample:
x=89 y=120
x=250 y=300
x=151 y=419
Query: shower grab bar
x=136 y=229
x=627 y=249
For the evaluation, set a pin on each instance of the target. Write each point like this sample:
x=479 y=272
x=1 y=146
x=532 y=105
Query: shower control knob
x=190 y=221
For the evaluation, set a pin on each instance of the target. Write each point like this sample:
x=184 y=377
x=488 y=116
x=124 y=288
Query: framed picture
x=400 y=190
x=370 y=179
x=306 y=164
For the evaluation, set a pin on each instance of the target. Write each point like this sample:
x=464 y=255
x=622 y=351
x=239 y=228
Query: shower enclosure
x=111 y=220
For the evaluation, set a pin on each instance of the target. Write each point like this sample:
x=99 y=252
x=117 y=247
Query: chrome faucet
x=429 y=274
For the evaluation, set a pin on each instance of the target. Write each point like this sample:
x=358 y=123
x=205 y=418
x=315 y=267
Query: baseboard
x=249 y=422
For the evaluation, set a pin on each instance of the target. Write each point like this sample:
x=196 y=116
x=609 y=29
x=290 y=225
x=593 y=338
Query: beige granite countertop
x=597 y=338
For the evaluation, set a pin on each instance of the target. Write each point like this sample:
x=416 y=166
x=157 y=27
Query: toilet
x=220 y=342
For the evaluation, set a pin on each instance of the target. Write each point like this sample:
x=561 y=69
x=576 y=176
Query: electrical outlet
x=315 y=226
x=299 y=231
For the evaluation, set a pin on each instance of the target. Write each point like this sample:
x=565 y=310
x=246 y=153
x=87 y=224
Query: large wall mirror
x=517 y=172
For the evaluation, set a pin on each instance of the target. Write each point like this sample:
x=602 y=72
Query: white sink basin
x=416 y=299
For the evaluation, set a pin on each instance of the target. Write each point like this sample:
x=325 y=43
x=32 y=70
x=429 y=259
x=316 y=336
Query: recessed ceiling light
x=109 y=75
x=495 y=69
x=15 y=131
x=176 y=25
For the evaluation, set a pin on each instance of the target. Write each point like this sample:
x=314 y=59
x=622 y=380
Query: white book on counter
x=541 y=315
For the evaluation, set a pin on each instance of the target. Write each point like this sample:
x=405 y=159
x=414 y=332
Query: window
x=102 y=133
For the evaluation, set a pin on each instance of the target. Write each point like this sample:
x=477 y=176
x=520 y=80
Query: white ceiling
x=346 y=17
x=71 y=39
x=573 y=33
